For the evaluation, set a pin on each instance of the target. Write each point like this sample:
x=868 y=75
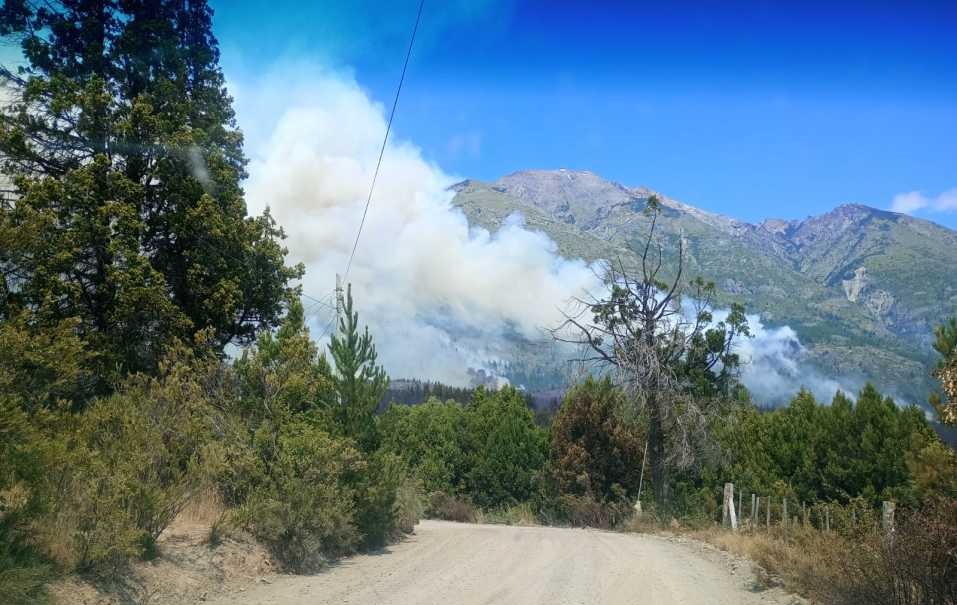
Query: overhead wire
x=385 y=139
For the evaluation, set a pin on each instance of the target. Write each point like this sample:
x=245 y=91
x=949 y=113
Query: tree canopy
x=125 y=211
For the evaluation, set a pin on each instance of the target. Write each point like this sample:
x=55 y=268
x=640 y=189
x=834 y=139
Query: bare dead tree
x=658 y=337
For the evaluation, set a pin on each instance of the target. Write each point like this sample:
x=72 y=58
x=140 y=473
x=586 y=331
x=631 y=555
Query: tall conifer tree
x=359 y=381
x=124 y=208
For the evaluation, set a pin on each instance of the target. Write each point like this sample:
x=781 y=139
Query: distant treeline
x=412 y=391
x=404 y=391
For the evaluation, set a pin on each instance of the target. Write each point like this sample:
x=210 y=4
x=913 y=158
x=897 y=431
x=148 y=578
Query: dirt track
x=464 y=564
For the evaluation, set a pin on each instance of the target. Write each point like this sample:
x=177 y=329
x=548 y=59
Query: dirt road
x=464 y=564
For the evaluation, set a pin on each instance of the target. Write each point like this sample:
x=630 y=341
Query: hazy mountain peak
x=590 y=201
x=580 y=186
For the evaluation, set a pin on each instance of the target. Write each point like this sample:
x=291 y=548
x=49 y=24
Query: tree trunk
x=659 y=469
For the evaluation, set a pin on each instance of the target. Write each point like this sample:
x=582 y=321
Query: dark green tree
x=359 y=382
x=125 y=210
x=507 y=450
x=594 y=451
x=872 y=449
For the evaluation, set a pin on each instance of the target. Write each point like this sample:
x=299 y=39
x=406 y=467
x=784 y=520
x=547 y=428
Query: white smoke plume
x=774 y=366
x=438 y=295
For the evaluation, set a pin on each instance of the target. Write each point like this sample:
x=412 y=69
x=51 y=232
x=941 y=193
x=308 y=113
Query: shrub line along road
x=465 y=564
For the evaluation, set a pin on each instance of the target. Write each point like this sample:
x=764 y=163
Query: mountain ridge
x=862 y=287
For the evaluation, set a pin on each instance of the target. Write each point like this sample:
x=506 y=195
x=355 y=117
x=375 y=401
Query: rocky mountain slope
x=862 y=287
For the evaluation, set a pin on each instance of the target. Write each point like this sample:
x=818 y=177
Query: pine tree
x=126 y=211
x=283 y=375
x=359 y=382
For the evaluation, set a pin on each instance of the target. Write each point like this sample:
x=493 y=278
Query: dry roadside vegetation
x=915 y=565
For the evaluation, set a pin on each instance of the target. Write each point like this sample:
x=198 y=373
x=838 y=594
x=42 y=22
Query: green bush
x=595 y=453
x=410 y=504
x=489 y=452
x=431 y=438
x=506 y=449
x=134 y=459
x=375 y=497
x=304 y=510
x=23 y=583
x=23 y=573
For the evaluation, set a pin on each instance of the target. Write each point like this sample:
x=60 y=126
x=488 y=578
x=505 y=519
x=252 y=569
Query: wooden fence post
x=827 y=518
x=784 y=511
x=769 y=513
x=804 y=512
x=740 y=500
x=753 y=510
x=887 y=517
x=728 y=518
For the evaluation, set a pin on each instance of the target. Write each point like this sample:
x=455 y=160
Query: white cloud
x=947 y=201
x=912 y=201
x=909 y=202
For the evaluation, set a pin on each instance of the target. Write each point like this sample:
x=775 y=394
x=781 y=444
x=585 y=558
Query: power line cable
x=385 y=139
x=325 y=330
x=326 y=301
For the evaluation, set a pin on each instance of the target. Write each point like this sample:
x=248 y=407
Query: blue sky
x=753 y=109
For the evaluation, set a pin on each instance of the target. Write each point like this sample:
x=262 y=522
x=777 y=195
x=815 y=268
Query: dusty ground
x=464 y=564
x=187 y=570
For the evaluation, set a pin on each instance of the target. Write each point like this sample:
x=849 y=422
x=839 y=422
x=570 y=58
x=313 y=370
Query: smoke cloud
x=775 y=366
x=439 y=296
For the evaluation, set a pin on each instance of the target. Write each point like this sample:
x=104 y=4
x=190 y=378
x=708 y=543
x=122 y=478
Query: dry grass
x=518 y=514
x=54 y=536
x=205 y=508
x=798 y=560
x=199 y=520
x=450 y=508
x=410 y=505
x=917 y=565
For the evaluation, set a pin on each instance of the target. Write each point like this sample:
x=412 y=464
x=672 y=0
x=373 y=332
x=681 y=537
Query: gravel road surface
x=465 y=564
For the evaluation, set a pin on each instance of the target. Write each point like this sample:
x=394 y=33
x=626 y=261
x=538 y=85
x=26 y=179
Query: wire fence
x=756 y=512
